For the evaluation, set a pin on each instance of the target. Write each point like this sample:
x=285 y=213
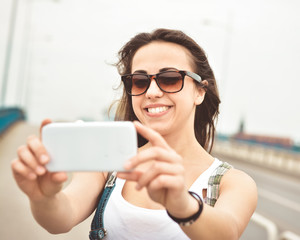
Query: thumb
x=43 y=124
x=53 y=183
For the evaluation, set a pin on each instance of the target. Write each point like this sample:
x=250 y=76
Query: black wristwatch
x=189 y=220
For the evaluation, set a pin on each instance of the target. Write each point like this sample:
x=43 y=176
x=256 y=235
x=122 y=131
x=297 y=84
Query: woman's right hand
x=30 y=172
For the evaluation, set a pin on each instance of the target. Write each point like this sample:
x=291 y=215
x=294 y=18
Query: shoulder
x=230 y=176
x=234 y=177
x=238 y=197
x=238 y=186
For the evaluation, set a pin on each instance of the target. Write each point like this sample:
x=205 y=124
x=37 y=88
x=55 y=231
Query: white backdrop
x=62 y=51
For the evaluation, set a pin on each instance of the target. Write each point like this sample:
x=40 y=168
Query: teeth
x=157 y=110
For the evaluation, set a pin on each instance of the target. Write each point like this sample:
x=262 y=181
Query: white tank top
x=124 y=220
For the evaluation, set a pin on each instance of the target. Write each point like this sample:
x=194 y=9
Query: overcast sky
x=62 y=48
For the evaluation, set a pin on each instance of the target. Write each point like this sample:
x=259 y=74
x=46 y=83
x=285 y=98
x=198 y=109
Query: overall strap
x=214 y=183
x=97 y=227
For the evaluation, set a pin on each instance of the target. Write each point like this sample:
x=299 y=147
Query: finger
x=59 y=177
x=29 y=160
x=43 y=124
x=154 y=138
x=157 y=169
x=38 y=149
x=21 y=170
x=53 y=183
x=171 y=182
x=130 y=176
x=150 y=154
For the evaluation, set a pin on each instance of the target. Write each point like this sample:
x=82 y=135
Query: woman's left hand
x=163 y=175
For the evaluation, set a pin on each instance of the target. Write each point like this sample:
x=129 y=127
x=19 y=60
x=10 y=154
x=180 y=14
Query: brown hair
x=206 y=112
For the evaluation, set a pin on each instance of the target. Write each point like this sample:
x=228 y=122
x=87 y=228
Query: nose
x=153 y=91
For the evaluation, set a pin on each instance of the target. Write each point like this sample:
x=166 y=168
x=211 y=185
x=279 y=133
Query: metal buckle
x=111 y=180
x=99 y=233
x=102 y=233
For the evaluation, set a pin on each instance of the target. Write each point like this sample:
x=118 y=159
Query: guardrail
x=268 y=225
x=8 y=116
x=287 y=235
x=284 y=161
x=271 y=229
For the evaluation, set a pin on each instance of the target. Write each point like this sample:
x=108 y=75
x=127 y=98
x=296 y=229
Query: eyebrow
x=167 y=69
x=160 y=70
x=140 y=71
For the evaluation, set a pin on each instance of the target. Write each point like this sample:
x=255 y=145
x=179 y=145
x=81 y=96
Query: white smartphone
x=89 y=146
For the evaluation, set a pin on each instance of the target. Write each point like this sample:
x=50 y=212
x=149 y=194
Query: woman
x=170 y=89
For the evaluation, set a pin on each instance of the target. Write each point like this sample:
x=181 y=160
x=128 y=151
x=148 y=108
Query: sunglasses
x=169 y=81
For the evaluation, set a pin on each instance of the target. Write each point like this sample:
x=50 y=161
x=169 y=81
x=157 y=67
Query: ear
x=200 y=93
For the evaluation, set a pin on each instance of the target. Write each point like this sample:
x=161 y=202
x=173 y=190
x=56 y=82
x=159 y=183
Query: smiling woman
x=174 y=188
x=170 y=88
x=190 y=53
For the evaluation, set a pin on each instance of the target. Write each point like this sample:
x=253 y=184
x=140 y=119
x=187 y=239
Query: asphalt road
x=279 y=197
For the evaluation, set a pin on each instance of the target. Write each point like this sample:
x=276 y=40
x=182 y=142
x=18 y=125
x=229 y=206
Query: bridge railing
x=287 y=235
x=268 y=226
x=8 y=116
x=270 y=229
x=284 y=161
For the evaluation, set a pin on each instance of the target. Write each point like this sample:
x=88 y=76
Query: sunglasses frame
x=183 y=73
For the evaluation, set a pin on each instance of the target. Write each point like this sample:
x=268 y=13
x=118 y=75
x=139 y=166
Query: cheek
x=136 y=105
x=189 y=93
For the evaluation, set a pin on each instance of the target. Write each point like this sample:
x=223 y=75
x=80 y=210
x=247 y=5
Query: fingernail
x=40 y=170
x=44 y=159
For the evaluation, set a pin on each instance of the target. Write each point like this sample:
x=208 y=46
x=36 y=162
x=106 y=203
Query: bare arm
x=61 y=212
x=165 y=184
x=56 y=209
x=232 y=212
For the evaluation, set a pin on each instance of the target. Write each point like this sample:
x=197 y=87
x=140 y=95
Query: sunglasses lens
x=139 y=84
x=170 y=81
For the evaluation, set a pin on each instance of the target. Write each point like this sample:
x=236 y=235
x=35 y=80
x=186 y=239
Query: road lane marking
x=279 y=199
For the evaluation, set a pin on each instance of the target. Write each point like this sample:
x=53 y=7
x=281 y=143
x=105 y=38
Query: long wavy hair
x=206 y=113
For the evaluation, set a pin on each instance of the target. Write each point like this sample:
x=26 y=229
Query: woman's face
x=166 y=112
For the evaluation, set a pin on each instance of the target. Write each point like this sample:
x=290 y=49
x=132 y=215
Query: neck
x=187 y=146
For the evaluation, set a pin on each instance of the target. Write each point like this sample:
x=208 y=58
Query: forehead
x=158 y=54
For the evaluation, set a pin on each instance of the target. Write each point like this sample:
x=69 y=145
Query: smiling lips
x=156 y=110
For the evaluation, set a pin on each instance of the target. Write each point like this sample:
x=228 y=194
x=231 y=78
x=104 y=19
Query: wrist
x=186 y=206
x=192 y=212
x=44 y=201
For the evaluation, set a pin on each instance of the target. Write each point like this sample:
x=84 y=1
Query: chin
x=159 y=127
